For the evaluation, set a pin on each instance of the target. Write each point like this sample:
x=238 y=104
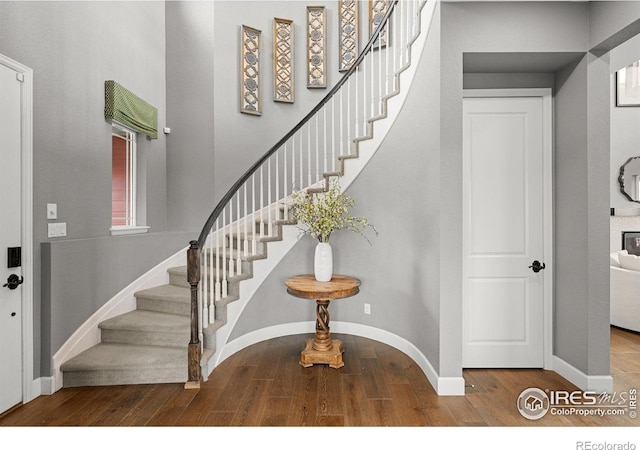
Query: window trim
x=131 y=225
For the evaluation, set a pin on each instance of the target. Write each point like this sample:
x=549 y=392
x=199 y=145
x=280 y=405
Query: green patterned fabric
x=126 y=108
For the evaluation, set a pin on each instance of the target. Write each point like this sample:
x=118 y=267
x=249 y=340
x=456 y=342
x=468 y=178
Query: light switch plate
x=57 y=229
x=52 y=210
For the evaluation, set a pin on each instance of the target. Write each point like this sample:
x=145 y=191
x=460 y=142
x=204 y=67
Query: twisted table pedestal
x=322 y=349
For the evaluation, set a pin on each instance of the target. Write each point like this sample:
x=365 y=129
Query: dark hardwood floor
x=264 y=386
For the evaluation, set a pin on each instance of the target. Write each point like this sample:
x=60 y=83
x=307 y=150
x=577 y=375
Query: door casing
x=547 y=111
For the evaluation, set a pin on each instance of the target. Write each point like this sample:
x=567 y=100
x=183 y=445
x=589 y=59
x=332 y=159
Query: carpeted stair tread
x=141 y=320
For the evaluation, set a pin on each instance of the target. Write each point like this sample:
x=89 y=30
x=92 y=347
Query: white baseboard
x=451 y=386
x=44 y=386
x=442 y=385
x=88 y=334
x=593 y=383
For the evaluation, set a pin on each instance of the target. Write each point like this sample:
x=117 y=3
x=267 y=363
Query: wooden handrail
x=196 y=246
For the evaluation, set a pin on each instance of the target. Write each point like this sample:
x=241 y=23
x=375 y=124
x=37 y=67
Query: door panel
x=10 y=236
x=503 y=304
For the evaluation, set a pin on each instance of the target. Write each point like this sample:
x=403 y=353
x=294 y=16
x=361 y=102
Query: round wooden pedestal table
x=322 y=349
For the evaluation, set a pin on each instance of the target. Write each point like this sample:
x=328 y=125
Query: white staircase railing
x=304 y=159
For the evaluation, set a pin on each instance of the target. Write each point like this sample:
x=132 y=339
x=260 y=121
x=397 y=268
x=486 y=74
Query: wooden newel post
x=193 y=277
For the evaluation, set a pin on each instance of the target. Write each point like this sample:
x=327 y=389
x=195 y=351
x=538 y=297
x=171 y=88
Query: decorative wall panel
x=316 y=40
x=250 y=85
x=348 y=30
x=283 y=73
x=377 y=10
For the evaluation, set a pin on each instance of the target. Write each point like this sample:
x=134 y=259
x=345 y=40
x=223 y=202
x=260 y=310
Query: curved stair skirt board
x=444 y=386
x=592 y=383
x=88 y=334
x=366 y=150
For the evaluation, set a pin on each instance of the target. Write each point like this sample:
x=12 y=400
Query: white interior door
x=10 y=237
x=504 y=232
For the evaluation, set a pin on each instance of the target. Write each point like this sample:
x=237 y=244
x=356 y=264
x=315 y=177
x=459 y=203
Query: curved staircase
x=149 y=344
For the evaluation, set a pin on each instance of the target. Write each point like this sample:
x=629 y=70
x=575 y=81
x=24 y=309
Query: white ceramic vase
x=323 y=262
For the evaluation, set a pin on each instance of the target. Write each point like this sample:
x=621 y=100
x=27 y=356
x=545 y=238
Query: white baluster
x=254 y=236
x=270 y=207
x=317 y=146
x=285 y=182
x=261 y=202
x=224 y=253
x=324 y=139
x=277 y=197
x=309 y=182
x=365 y=104
x=217 y=256
x=372 y=71
x=333 y=132
x=245 y=217
x=345 y=89
x=293 y=163
x=381 y=70
x=229 y=232
x=202 y=293
x=212 y=287
x=404 y=35
x=238 y=237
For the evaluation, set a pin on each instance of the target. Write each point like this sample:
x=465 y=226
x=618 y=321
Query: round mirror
x=629 y=179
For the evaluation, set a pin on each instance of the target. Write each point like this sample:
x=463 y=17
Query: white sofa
x=625 y=290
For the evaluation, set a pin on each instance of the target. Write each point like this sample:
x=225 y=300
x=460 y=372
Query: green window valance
x=126 y=108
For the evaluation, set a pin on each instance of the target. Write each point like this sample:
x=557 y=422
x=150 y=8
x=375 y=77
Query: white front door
x=10 y=237
x=505 y=224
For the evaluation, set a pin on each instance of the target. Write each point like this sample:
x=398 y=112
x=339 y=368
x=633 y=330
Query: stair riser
x=179 y=279
x=209 y=340
x=122 y=377
x=137 y=337
x=152 y=304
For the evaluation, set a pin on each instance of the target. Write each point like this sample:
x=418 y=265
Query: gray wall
x=190 y=94
x=80 y=275
x=571 y=214
x=612 y=23
x=73 y=47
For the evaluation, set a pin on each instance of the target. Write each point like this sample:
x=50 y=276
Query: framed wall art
x=316 y=44
x=250 y=83
x=377 y=10
x=348 y=33
x=628 y=85
x=283 y=73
